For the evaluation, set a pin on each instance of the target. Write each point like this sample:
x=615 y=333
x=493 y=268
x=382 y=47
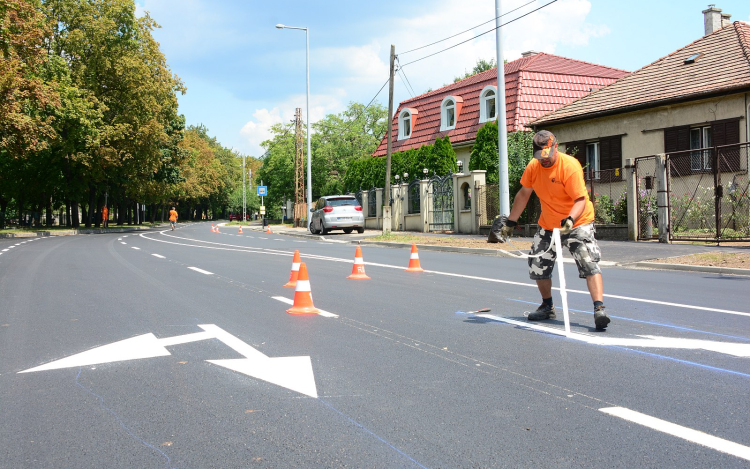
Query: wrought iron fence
x=372 y=203
x=441 y=206
x=708 y=194
x=414 y=191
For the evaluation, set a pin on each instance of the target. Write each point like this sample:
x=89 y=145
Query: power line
x=406 y=84
x=466 y=31
x=479 y=35
x=413 y=94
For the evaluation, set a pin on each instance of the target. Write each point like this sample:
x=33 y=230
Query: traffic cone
x=268 y=230
x=240 y=232
x=414 y=260
x=303 y=303
x=217 y=229
x=358 y=269
x=292 y=283
x=213 y=228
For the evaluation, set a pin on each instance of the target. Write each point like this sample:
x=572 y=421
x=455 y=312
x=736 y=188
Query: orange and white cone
x=213 y=228
x=217 y=229
x=414 y=260
x=240 y=232
x=358 y=269
x=294 y=275
x=268 y=230
x=303 y=303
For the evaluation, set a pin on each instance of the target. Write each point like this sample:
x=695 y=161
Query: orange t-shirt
x=172 y=215
x=105 y=213
x=558 y=187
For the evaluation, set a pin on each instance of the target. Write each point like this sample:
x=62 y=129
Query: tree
x=481 y=66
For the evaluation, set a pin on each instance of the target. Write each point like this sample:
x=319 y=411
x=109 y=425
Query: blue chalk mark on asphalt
x=686 y=362
x=119 y=420
x=682 y=328
x=330 y=406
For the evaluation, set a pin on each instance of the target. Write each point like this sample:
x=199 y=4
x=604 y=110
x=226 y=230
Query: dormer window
x=449 y=110
x=406 y=121
x=488 y=104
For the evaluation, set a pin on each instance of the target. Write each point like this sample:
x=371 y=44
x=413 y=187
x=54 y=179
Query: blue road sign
x=262 y=190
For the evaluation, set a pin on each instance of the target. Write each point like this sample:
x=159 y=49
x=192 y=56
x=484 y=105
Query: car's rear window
x=339 y=201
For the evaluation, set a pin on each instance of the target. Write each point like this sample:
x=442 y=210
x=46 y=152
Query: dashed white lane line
x=122 y=242
x=694 y=436
x=133 y=247
x=291 y=302
x=4 y=250
x=159 y=256
x=205 y=272
x=259 y=237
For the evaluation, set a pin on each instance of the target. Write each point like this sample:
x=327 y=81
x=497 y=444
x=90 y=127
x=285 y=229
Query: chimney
x=529 y=53
x=714 y=19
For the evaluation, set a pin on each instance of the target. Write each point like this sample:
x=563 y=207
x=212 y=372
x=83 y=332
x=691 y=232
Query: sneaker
x=542 y=312
x=600 y=318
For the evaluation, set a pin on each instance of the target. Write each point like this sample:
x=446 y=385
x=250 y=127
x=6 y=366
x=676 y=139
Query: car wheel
x=360 y=230
x=323 y=230
x=347 y=230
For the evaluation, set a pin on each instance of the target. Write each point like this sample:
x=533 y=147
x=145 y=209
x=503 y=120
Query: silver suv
x=337 y=212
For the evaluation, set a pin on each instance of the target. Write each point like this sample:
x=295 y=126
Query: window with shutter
x=727 y=133
x=610 y=158
x=578 y=150
x=677 y=139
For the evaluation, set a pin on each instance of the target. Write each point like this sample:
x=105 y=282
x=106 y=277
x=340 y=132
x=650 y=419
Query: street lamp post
x=309 y=153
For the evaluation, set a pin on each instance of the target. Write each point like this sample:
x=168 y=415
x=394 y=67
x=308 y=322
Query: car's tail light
x=358 y=208
x=328 y=209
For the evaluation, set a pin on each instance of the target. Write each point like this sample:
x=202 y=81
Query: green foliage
x=481 y=66
x=484 y=155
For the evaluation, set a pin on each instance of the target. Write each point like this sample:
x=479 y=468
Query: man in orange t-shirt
x=105 y=216
x=557 y=179
x=173 y=218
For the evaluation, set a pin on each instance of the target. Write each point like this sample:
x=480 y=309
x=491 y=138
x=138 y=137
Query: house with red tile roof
x=535 y=85
x=696 y=97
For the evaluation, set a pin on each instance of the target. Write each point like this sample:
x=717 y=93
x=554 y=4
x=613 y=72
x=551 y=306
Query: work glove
x=507 y=229
x=566 y=225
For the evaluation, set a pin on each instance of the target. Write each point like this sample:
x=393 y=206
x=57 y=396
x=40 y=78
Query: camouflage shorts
x=582 y=246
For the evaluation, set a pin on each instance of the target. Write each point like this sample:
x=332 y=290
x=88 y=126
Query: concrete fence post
x=662 y=197
x=632 y=200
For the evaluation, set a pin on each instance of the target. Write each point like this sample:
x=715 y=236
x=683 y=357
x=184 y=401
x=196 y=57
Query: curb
x=34 y=234
x=689 y=268
x=434 y=247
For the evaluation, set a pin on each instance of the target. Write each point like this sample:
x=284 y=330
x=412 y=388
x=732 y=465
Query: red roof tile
x=722 y=66
x=534 y=86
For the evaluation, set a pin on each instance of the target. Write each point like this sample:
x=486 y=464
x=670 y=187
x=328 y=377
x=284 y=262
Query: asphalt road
x=207 y=369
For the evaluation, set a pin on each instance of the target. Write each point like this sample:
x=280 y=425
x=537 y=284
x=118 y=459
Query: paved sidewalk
x=623 y=253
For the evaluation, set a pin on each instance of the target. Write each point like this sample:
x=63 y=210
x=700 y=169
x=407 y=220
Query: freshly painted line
x=121 y=242
x=291 y=302
x=694 y=436
x=436 y=272
x=4 y=250
x=201 y=270
x=159 y=256
x=119 y=239
x=11 y=247
x=261 y=237
x=133 y=247
x=651 y=341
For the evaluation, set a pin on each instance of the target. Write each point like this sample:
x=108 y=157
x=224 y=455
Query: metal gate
x=441 y=216
x=708 y=194
x=647 y=219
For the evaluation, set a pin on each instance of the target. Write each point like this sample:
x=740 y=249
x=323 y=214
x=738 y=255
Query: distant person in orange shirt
x=105 y=216
x=173 y=218
x=558 y=181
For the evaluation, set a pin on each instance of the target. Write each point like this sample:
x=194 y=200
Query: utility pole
x=502 y=131
x=299 y=171
x=387 y=191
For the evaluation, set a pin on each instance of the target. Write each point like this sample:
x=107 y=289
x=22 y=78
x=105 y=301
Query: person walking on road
x=557 y=179
x=105 y=216
x=173 y=218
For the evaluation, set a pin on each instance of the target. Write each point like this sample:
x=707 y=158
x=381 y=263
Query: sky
x=244 y=75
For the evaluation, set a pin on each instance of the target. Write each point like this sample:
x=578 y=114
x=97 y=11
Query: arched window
x=488 y=104
x=449 y=110
x=406 y=121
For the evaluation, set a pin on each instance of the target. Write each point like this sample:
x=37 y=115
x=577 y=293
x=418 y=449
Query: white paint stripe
x=201 y=270
x=133 y=247
x=694 y=436
x=159 y=256
x=4 y=250
x=122 y=242
x=449 y=274
x=291 y=302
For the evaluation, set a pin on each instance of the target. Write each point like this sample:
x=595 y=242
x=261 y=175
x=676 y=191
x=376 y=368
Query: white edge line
x=694 y=436
x=325 y=314
x=201 y=270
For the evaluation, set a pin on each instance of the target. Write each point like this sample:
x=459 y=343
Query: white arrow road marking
x=201 y=270
x=728 y=348
x=293 y=373
x=694 y=436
